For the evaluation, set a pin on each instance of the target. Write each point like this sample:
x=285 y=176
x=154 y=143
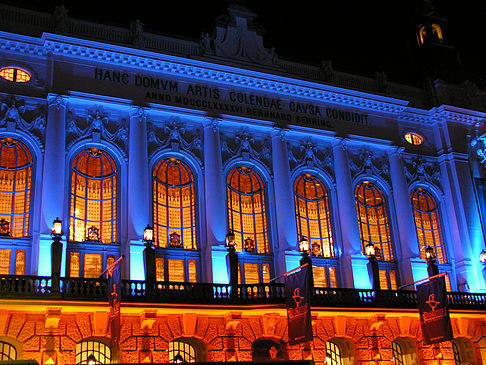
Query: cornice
x=183 y=67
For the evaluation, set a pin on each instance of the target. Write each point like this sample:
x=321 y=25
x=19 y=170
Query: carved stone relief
x=309 y=155
x=175 y=136
x=96 y=125
x=418 y=168
x=15 y=115
x=366 y=162
x=244 y=145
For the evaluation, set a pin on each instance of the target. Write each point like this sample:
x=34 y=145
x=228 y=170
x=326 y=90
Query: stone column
x=407 y=248
x=53 y=194
x=351 y=243
x=286 y=239
x=138 y=196
x=213 y=250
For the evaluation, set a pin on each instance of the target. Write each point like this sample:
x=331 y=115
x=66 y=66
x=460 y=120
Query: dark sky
x=357 y=36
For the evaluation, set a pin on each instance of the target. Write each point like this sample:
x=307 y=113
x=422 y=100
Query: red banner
x=114 y=298
x=434 y=311
x=297 y=293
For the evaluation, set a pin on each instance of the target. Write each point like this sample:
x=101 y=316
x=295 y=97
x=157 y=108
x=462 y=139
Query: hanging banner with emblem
x=434 y=311
x=114 y=298
x=297 y=294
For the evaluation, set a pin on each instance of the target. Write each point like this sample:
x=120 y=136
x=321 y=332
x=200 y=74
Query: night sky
x=358 y=37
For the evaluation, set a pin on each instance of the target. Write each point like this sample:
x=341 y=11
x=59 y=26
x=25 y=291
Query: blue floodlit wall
x=141 y=106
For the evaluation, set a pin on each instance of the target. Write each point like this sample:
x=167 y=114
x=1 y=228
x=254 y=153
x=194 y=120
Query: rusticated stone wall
x=365 y=339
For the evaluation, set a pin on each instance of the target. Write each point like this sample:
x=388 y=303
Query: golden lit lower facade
x=210 y=182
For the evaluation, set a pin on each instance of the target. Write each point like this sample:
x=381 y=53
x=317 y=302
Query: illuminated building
x=111 y=130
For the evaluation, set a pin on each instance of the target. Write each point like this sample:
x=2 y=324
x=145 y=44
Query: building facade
x=109 y=130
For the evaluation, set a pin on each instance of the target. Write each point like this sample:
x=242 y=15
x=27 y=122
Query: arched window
x=181 y=351
x=313 y=215
x=427 y=223
x=373 y=219
x=93 y=209
x=436 y=31
x=174 y=205
x=404 y=351
x=15 y=187
x=247 y=210
x=464 y=352
x=269 y=350
x=397 y=353
x=7 y=352
x=100 y=351
x=313 y=218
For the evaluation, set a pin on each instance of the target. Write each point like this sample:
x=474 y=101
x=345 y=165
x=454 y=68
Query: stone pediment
x=238 y=37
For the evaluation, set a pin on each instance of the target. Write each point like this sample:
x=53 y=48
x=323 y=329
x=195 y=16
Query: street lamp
x=432 y=268
x=232 y=259
x=373 y=270
x=304 y=247
x=149 y=259
x=482 y=257
x=56 y=253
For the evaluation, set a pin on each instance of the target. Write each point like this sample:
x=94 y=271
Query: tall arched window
x=373 y=219
x=333 y=354
x=15 y=187
x=93 y=209
x=247 y=210
x=313 y=215
x=427 y=223
x=174 y=205
x=100 y=351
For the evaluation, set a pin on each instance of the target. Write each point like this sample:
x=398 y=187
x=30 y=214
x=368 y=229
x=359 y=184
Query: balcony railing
x=39 y=287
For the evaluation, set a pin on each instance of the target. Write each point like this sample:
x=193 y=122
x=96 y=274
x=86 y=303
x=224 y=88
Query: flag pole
x=289 y=272
x=419 y=281
x=111 y=266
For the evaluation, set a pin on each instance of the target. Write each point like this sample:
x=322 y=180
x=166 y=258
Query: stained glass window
x=373 y=219
x=93 y=209
x=92 y=265
x=100 y=351
x=313 y=215
x=247 y=210
x=427 y=223
x=174 y=205
x=5 y=261
x=20 y=262
x=15 y=186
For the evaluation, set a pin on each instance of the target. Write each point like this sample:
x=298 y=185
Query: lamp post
x=304 y=247
x=149 y=259
x=56 y=253
x=432 y=268
x=232 y=260
x=373 y=271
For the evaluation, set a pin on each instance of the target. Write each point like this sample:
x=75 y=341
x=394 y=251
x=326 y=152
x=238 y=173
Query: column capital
x=212 y=122
x=281 y=133
x=138 y=112
x=57 y=101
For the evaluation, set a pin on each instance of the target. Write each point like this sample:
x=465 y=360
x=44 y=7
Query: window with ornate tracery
x=15 y=187
x=313 y=215
x=174 y=205
x=373 y=221
x=181 y=351
x=246 y=209
x=93 y=206
x=427 y=224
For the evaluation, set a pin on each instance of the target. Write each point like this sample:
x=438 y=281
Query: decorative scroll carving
x=365 y=162
x=174 y=135
x=244 y=145
x=14 y=114
x=418 y=168
x=307 y=154
x=97 y=125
